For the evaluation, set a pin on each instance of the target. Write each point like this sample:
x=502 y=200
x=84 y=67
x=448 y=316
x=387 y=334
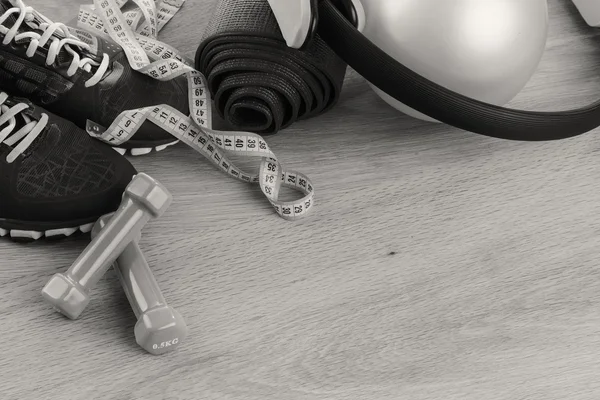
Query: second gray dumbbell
x=159 y=328
x=143 y=199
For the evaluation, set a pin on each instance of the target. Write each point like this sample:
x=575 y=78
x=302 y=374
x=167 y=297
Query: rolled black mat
x=258 y=83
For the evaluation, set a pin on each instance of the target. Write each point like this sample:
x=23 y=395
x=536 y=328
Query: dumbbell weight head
x=144 y=190
x=66 y=295
x=160 y=330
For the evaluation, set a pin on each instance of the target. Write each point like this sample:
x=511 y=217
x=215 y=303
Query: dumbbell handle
x=137 y=280
x=104 y=249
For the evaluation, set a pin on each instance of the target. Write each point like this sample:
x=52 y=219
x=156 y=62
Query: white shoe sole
x=143 y=150
x=25 y=235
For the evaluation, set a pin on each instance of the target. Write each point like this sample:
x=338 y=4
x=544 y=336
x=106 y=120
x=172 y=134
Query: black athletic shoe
x=70 y=81
x=55 y=179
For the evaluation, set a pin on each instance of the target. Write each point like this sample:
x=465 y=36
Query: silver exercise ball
x=485 y=49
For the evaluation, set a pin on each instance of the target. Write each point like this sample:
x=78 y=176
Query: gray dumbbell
x=143 y=199
x=159 y=328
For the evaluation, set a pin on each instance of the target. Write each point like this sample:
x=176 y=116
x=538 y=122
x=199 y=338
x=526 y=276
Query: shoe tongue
x=4 y=6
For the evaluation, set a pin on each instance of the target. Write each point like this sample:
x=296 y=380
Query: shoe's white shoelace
x=26 y=135
x=36 y=40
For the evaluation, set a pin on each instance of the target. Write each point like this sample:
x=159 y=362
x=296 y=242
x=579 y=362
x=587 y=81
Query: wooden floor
x=438 y=264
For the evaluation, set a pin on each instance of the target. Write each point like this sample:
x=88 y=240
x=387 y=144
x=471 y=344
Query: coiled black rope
x=440 y=103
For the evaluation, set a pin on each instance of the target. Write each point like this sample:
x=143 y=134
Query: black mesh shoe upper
x=120 y=89
x=64 y=176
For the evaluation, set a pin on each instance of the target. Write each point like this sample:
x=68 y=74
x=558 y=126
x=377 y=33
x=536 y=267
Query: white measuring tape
x=136 y=31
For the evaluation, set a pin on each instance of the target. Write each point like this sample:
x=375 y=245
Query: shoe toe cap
x=90 y=188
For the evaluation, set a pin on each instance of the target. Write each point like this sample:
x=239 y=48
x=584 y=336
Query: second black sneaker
x=55 y=180
x=43 y=62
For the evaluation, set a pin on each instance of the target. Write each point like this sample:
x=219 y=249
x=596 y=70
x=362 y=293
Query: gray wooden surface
x=438 y=264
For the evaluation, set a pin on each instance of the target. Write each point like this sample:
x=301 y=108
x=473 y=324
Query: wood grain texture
x=437 y=265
